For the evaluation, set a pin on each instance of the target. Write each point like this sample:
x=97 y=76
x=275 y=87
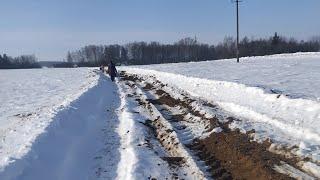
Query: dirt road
x=195 y=138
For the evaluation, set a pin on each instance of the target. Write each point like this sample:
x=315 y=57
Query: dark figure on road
x=102 y=68
x=112 y=71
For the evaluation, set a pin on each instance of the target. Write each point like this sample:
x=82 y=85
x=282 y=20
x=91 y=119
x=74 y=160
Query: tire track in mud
x=181 y=163
x=228 y=154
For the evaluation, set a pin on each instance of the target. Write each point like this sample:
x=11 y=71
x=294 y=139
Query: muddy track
x=228 y=154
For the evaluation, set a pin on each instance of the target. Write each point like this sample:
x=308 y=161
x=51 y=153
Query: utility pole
x=237 y=9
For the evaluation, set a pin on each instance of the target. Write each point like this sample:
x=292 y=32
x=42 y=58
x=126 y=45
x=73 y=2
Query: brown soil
x=243 y=158
x=173 y=160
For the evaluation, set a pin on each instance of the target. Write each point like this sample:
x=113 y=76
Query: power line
x=237 y=10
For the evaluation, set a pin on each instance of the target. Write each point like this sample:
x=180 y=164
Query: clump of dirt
x=166 y=99
x=148 y=87
x=122 y=73
x=130 y=84
x=177 y=117
x=160 y=92
x=243 y=158
x=23 y=115
x=174 y=160
x=127 y=77
x=209 y=105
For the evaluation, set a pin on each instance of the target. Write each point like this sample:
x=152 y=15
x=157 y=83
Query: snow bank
x=29 y=101
x=296 y=75
x=128 y=160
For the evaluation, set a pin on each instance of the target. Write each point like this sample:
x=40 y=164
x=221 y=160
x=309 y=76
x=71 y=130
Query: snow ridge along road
x=126 y=131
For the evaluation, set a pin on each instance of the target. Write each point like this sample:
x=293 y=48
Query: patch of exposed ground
x=245 y=159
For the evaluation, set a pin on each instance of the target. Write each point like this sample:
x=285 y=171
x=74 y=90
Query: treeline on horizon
x=20 y=62
x=185 y=50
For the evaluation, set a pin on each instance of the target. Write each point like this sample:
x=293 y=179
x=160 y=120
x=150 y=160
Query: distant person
x=102 y=68
x=112 y=71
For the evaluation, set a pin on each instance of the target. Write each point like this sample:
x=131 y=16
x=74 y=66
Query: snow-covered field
x=77 y=124
x=296 y=75
x=277 y=96
x=30 y=100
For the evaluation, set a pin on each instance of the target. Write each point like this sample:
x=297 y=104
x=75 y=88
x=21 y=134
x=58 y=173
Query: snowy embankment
x=30 y=101
x=295 y=75
x=278 y=96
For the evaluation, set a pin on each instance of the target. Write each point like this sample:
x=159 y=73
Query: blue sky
x=49 y=28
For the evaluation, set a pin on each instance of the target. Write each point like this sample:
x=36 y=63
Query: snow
x=29 y=101
x=125 y=130
x=296 y=75
x=214 y=130
x=77 y=124
x=70 y=148
x=292 y=172
x=277 y=95
x=138 y=160
x=312 y=168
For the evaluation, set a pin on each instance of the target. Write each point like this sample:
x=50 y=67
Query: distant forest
x=185 y=50
x=20 y=62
